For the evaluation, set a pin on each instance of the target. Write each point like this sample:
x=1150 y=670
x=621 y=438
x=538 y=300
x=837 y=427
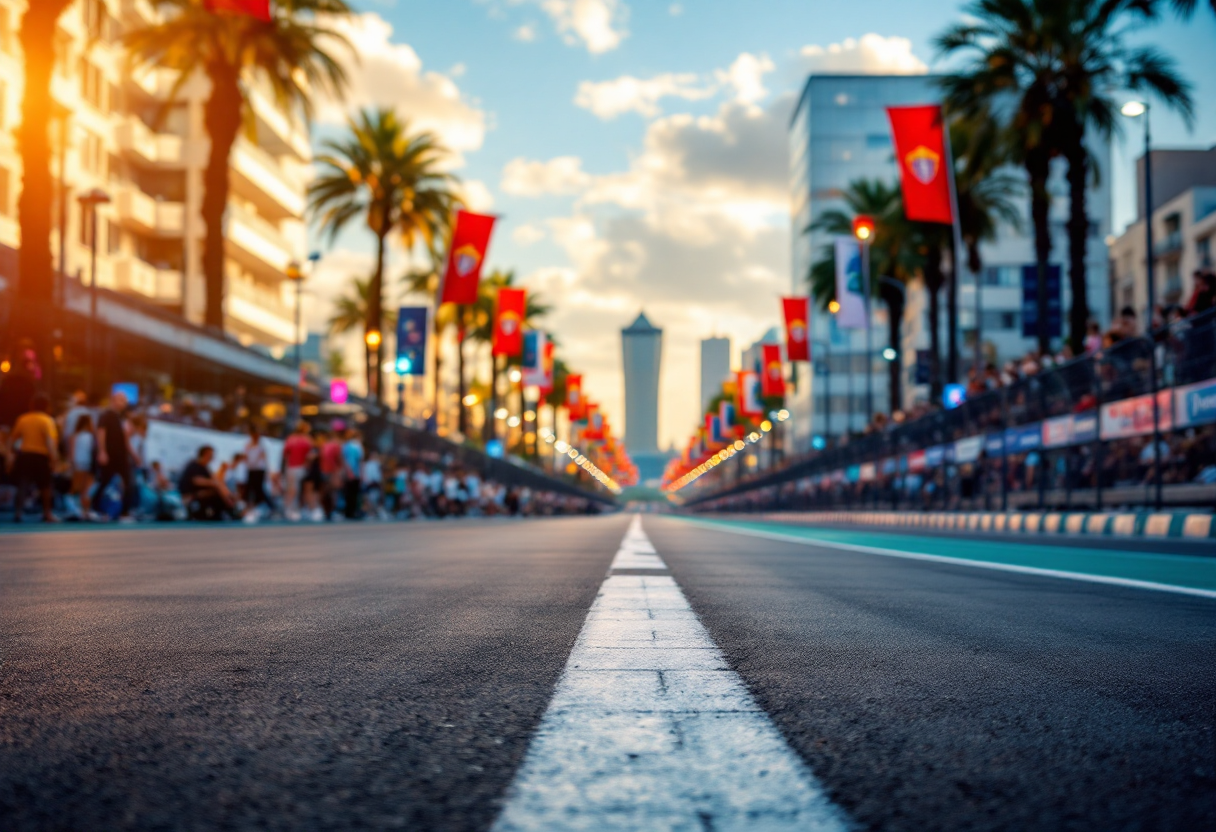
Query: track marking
x=649 y=728
x=981 y=564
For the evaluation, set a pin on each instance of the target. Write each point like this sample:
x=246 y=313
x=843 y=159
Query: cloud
x=525 y=33
x=746 y=77
x=387 y=74
x=476 y=195
x=869 y=54
x=562 y=175
x=527 y=234
x=599 y=25
x=609 y=99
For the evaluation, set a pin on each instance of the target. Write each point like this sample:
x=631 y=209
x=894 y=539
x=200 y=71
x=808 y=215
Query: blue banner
x=1195 y=404
x=1084 y=428
x=1030 y=302
x=411 y=340
x=994 y=445
x=1025 y=438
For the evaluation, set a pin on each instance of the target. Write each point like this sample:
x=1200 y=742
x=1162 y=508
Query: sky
x=636 y=150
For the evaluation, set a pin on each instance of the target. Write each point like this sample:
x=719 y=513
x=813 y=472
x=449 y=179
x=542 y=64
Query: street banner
x=797 y=315
x=749 y=394
x=1134 y=417
x=257 y=9
x=533 y=360
x=594 y=431
x=546 y=386
x=772 y=383
x=1030 y=302
x=1195 y=404
x=852 y=314
x=509 y=321
x=467 y=252
x=924 y=162
x=726 y=416
x=411 y=340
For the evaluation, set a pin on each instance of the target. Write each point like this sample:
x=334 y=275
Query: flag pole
x=958 y=238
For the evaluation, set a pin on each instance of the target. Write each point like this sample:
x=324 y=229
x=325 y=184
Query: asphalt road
x=391 y=676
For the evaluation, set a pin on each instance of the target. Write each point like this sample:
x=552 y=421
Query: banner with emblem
x=574 y=396
x=924 y=162
x=411 y=340
x=772 y=379
x=509 y=321
x=257 y=9
x=797 y=316
x=849 y=294
x=533 y=361
x=470 y=241
x=749 y=394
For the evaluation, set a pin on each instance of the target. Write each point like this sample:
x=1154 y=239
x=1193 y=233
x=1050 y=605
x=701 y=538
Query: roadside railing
x=1075 y=436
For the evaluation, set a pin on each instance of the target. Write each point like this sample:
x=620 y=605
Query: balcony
x=1168 y=246
x=257 y=169
x=259 y=308
x=135 y=209
x=136 y=276
x=283 y=132
x=255 y=242
x=136 y=139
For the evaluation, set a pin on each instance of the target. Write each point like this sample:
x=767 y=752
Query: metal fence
x=1079 y=435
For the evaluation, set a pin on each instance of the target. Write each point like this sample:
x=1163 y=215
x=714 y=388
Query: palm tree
x=36 y=283
x=1060 y=59
x=350 y=315
x=236 y=52
x=1186 y=8
x=893 y=261
x=391 y=178
x=985 y=195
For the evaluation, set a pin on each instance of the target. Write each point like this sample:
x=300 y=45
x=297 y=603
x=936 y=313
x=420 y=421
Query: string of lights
x=739 y=445
x=583 y=461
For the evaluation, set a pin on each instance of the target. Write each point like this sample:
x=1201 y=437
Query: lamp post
x=1136 y=109
x=863 y=230
x=296 y=275
x=89 y=203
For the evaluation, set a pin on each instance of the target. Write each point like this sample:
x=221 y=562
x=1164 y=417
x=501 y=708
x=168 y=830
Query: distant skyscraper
x=642 y=350
x=715 y=367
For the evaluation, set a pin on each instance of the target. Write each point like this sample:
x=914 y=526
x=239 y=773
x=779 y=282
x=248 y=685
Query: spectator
x=352 y=471
x=114 y=454
x=332 y=472
x=206 y=496
x=298 y=452
x=373 y=478
x=33 y=447
x=1203 y=299
x=82 y=453
x=256 y=464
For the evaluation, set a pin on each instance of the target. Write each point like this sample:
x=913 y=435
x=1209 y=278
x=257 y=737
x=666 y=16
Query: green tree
x=350 y=315
x=393 y=179
x=894 y=259
x=36 y=284
x=289 y=55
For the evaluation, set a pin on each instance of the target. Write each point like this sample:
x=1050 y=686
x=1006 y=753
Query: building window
x=92 y=84
x=1006 y=276
x=878 y=141
x=1203 y=252
x=999 y=321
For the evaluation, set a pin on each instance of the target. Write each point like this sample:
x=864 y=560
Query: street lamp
x=863 y=230
x=296 y=275
x=1136 y=109
x=89 y=203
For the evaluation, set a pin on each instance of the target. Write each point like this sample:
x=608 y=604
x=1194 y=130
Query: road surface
x=497 y=674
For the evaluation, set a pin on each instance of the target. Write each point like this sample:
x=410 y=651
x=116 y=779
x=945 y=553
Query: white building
x=1184 y=229
x=642 y=353
x=150 y=236
x=715 y=368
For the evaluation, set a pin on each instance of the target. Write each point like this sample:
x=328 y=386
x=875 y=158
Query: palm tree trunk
x=895 y=324
x=1078 y=238
x=491 y=427
x=36 y=280
x=462 y=418
x=438 y=393
x=1037 y=167
x=952 y=322
x=222 y=118
x=375 y=320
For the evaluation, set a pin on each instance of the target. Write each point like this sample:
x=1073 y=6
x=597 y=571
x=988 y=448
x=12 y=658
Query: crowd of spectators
x=91 y=464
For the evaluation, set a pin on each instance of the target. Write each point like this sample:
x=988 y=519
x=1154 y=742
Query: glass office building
x=839 y=133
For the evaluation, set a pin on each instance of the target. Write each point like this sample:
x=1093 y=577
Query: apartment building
x=118 y=131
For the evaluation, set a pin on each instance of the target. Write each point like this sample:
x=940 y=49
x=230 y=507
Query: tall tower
x=715 y=367
x=642 y=350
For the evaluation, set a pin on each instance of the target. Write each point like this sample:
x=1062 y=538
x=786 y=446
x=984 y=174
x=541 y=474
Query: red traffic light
x=863 y=227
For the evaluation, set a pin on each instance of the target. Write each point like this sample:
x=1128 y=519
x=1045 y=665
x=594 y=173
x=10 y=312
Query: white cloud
x=383 y=73
x=609 y=99
x=525 y=33
x=675 y=10
x=746 y=77
x=869 y=54
x=527 y=234
x=562 y=175
x=599 y=25
x=476 y=195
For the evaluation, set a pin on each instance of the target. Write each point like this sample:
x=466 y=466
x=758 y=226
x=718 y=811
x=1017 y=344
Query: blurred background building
x=642 y=353
x=715 y=368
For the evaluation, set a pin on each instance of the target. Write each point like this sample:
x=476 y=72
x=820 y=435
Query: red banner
x=547 y=363
x=797 y=328
x=924 y=163
x=574 y=397
x=772 y=374
x=257 y=9
x=470 y=240
x=509 y=321
x=595 y=424
x=749 y=395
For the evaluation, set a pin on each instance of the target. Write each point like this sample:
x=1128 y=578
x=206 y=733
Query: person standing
x=82 y=447
x=256 y=464
x=297 y=453
x=352 y=464
x=114 y=453
x=33 y=446
x=331 y=471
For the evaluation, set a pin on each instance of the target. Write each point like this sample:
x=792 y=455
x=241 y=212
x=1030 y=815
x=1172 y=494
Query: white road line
x=981 y=564
x=649 y=729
